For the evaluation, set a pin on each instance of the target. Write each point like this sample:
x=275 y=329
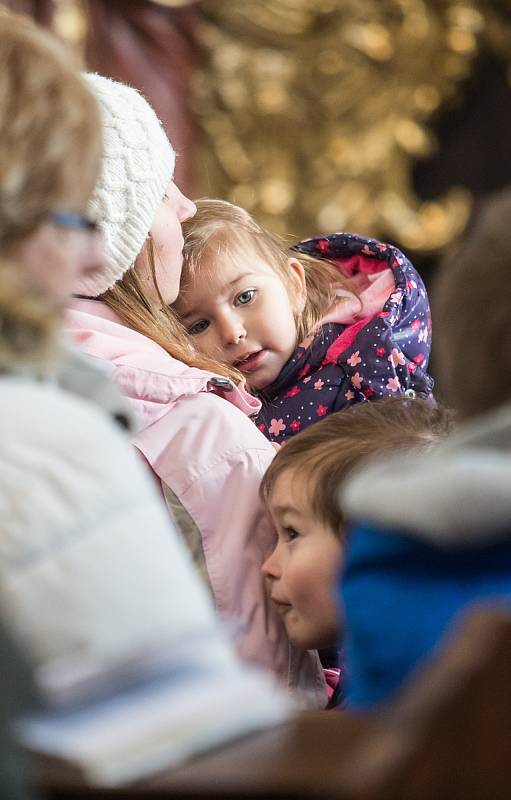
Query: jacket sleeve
x=212 y=457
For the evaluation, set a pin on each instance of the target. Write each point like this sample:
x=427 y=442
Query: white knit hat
x=137 y=166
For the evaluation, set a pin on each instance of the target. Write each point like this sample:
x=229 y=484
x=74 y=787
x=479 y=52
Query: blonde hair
x=325 y=454
x=221 y=229
x=128 y=299
x=50 y=130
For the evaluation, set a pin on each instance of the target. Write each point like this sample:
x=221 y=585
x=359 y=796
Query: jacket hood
x=380 y=273
x=142 y=369
x=456 y=495
x=390 y=292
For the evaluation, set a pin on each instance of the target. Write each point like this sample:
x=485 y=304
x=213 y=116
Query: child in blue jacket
x=335 y=321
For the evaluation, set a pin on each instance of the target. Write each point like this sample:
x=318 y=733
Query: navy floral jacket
x=342 y=364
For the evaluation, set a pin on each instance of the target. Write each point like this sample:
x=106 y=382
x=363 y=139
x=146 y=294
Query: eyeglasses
x=69 y=219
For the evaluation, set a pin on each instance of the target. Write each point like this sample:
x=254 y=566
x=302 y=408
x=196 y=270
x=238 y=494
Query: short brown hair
x=472 y=304
x=50 y=130
x=326 y=453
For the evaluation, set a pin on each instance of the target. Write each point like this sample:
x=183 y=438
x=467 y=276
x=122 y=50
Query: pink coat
x=212 y=457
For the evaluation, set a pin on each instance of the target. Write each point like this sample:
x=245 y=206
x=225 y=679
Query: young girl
x=301 y=489
x=335 y=321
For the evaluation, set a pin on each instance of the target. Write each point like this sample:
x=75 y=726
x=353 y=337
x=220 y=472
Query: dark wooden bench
x=447 y=735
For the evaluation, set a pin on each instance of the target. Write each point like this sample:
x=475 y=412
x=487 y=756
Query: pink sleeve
x=213 y=458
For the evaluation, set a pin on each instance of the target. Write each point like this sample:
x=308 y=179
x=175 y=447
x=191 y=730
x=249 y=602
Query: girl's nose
x=232 y=330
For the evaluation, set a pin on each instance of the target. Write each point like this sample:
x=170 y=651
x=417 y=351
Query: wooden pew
x=447 y=735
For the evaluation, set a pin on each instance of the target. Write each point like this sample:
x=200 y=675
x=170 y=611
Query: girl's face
x=242 y=314
x=302 y=571
x=167 y=238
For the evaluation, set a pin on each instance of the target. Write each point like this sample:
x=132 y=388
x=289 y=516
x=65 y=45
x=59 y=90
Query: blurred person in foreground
x=92 y=570
x=431 y=538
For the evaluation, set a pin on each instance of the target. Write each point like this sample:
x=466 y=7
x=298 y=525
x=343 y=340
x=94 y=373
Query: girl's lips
x=250 y=362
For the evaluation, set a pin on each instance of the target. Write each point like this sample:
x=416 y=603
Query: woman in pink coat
x=193 y=426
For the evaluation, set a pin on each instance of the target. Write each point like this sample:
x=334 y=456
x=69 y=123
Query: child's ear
x=297 y=273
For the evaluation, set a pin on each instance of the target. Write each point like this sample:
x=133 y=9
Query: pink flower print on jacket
x=319 y=385
x=354 y=359
x=293 y=391
x=378 y=245
x=321 y=411
x=356 y=380
x=396 y=357
x=276 y=427
x=393 y=384
x=295 y=425
x=323 y=245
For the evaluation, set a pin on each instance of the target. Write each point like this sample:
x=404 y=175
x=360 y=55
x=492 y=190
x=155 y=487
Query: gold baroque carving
x=314 y=111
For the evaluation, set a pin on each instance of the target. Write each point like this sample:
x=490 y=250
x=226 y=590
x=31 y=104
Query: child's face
x=303 y=569
x=241 y=314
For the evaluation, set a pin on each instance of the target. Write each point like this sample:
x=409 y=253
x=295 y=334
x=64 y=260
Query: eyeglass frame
x=74 y=221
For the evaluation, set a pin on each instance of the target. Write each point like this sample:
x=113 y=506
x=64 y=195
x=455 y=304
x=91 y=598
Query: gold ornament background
x=315 y=111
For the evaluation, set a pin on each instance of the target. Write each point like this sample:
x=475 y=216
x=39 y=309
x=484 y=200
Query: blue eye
x=246 y=297
x=198 y=327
